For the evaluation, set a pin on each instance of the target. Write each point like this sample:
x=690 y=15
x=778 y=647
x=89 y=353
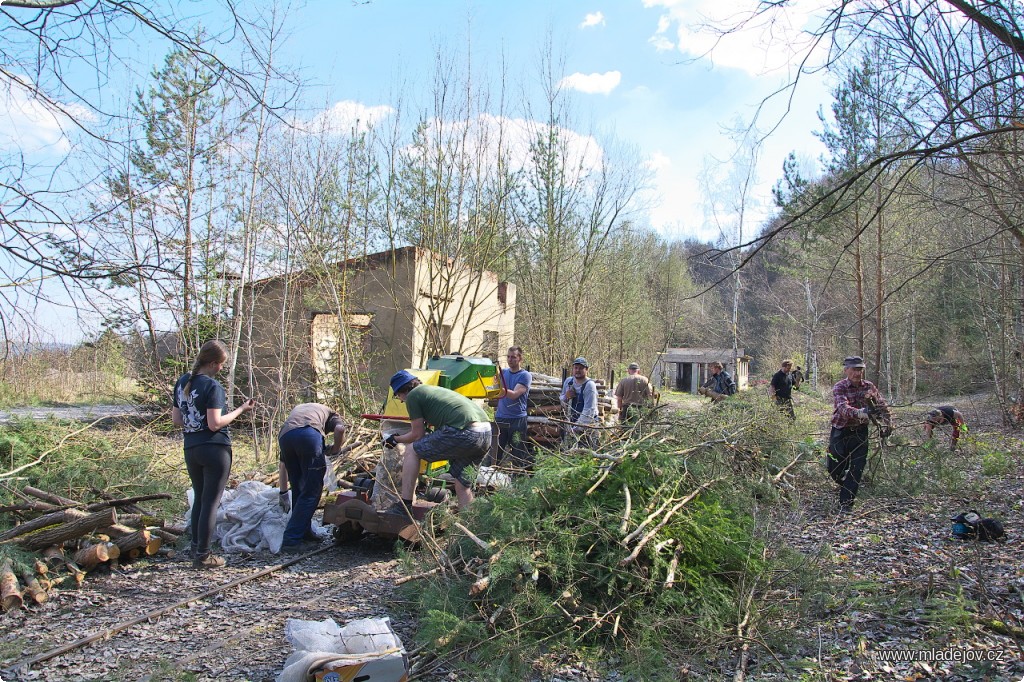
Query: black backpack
x=970 y=526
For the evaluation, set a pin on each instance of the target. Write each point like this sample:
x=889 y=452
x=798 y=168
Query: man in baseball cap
x=632 y=394
x=579 y=397
x=461 y=435
x=855 y=402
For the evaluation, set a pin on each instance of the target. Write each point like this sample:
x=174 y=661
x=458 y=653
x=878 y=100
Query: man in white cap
x=632 y=394
x=856 y=401
x=579 y=398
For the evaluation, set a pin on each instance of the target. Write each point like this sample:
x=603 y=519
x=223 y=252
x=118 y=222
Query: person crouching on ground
x=303 y=465
x=461 y=435
x=198 y=409
x=945 y=414
x=854 y=400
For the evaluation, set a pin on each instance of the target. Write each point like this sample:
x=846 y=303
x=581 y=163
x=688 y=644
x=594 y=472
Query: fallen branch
x=624 y=526
x=66 y=531
x=51 y=497
x=664 y=521
x=469 y=534
x=52 y=519
x=670 y=579
x=782 y=472
x=1001 y=627
x=10 y=592
x=96 y=506
x=426 y=574
x=597 y=483
x=640 y=529
x=58 y=446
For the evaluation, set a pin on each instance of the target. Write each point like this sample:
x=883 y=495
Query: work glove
x=391 y=442
x=862 y=414
x=885 y=431
x=284 y=500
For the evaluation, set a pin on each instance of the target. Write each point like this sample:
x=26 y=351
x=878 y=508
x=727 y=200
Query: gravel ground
x=237 y=634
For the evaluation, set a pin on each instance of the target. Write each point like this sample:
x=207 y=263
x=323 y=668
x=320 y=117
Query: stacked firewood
x=72 y=538
x=545 y=414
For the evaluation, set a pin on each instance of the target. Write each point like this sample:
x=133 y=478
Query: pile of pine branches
x=637 y=548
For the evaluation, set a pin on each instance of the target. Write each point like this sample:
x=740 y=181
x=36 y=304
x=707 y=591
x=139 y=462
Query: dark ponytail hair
x=212 y=351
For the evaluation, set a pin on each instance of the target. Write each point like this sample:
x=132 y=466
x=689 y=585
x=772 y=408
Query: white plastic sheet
x=249 y=519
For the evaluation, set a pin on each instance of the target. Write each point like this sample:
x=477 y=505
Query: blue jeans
x=208 y=467
x=302 y=451
x=513 y=449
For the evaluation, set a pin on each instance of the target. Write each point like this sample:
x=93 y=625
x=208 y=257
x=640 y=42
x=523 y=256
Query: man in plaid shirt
x=856 y=400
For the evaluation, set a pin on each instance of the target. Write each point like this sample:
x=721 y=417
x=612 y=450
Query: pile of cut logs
x=543 y=407
x=73 y=538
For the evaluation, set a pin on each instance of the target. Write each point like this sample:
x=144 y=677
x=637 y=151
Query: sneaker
x=208 y=561
x=299 y=547
x=312 y=537
x=398 y=509
x=846 y=507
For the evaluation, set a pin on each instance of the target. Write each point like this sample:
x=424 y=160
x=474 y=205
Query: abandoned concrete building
x=373 y=315
x=686 y=369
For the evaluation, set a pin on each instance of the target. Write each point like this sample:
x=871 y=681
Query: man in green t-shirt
x=461 y=435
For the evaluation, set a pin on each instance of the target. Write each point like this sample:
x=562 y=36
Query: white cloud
x=661 y=43
x=480 y=138
x=737 y=39
x=675 y=199
x=346 y=116
x=593 y=19
x=29 y=126
x=594 y=83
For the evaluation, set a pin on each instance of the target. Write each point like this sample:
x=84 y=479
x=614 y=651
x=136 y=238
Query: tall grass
x=83 y=375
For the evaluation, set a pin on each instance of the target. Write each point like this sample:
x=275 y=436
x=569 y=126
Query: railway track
x=165 y=621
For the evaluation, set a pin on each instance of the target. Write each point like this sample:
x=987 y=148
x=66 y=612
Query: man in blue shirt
x=511 y=413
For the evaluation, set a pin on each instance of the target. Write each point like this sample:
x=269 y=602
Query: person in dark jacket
x=719 y=385
x=781 y=388
x=198 y=408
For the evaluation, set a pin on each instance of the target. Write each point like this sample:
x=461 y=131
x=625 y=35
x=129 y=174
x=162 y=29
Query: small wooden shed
x=686 y=369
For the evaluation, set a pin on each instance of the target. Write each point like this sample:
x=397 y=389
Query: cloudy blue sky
x=641 y=70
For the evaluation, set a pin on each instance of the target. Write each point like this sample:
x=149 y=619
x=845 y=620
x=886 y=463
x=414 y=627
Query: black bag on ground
x=970 y=526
